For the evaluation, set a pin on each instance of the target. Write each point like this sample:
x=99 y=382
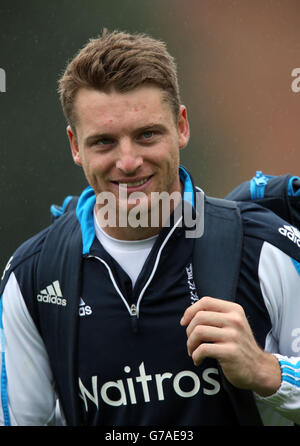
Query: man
x=143 y=355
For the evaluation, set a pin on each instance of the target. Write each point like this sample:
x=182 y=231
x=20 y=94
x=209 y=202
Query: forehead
x=97 y=110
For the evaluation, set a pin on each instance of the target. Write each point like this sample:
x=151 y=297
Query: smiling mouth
x=133 y=184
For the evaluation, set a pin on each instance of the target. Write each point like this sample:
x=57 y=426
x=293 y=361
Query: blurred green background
x=235 y=59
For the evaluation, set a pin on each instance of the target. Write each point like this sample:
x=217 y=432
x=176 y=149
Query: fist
x=219 y=329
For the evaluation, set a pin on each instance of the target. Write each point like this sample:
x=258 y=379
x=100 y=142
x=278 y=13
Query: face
x=128 y=139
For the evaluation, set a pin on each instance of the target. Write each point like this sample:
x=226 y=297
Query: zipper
x=89 y=256
x=134 y=318
x=133 y=310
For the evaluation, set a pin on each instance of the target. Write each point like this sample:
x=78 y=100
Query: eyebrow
x=92 y=138
x=152 y=125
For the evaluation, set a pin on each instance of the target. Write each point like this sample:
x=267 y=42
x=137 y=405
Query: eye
x=104 y=141
x=103 y=144
x=148 y=135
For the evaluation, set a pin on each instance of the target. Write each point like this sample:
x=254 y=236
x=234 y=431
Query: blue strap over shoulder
x=280 y=194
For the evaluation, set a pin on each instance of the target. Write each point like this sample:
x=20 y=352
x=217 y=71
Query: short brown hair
x=119 y=61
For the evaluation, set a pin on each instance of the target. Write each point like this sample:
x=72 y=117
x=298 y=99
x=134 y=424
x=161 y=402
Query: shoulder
x=264 y=225
x=25 y=252
x=26 y=255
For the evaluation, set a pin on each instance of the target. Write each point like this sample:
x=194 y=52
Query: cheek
x=168 y=153
x=97 y=171
x=172 y=160
x=169 y=166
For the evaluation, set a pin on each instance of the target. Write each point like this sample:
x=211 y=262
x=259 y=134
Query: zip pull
x=260 y=179
x=258 y=185
x=133 y=310
x=134 y=318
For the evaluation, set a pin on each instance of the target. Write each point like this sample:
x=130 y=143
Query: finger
x=208 y=350
x=206 y=303
x=209 y=318
x=205 y=334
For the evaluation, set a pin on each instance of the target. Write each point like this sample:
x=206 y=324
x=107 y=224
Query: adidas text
x=51 y=300
x=52 y=295
x=291 y=233
x=84 y=310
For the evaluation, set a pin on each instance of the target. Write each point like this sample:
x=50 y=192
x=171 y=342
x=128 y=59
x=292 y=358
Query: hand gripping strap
x=216 y=262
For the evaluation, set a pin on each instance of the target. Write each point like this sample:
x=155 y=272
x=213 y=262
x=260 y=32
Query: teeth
x=135 y=184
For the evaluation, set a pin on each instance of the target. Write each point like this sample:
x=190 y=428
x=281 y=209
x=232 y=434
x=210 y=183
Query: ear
x=183 y=127
x=74 y=146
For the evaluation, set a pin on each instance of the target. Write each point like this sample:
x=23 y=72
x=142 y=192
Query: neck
x=143 y=225
x=130 y=234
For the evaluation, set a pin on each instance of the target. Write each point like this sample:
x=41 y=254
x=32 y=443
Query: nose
x=129 y=159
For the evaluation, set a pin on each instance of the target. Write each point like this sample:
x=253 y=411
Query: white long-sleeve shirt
x=31 y=389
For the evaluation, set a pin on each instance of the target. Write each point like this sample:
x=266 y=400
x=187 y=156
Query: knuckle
x=238 y=316
x=234 y=336
x=205 y=300
x=198 y=316
x=239 y=309
x=202 y=348
x=198 y=331
x=235 y=319
x=201 y=351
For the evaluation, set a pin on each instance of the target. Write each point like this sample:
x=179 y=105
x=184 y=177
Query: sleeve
x=280 y=285
x=27 y=386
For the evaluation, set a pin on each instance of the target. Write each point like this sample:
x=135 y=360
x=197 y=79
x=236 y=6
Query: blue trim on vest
x=291 y=190
x=57 y=211
x=297 y=265
x=87 y=200
x=258 y=185
x=188 y=194
x=4 y=396
x=85 y=215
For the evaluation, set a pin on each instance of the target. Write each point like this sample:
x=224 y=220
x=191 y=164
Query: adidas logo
x=84 y=310
x=291 y=233
x=52 y=295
